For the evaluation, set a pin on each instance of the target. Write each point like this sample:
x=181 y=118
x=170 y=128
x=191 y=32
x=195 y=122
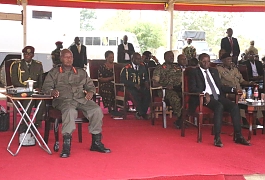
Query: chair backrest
x=94 y=66
x=150 y=73
x=244 y=71
x=214 y=64
x=5 y=72
x=117 y=72
x=185 y=86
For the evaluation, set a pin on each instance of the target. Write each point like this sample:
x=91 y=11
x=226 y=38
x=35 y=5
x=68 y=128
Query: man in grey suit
x=79 y=54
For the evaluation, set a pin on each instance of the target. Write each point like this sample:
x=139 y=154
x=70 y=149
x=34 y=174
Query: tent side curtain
x=247 y=6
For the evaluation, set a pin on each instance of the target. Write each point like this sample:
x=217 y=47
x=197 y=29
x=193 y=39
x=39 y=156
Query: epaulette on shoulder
x=128 y=66
x=38 y=61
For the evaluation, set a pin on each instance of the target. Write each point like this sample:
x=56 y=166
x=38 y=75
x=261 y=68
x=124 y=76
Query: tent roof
x=181 y=5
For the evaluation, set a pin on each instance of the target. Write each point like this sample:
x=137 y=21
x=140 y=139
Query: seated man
x=72 y=90
x=169 y=75
x=230 y=76
x=205 y=79
x=135 y=78
x=182 y=62
x=28 y=69
x=255 y=68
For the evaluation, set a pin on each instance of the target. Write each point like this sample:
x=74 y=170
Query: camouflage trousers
x=175 y=101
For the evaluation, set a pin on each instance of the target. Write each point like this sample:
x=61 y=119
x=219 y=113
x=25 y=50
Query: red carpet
x=139 y=151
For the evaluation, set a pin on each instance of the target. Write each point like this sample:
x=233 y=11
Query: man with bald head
x=72 y=90
x=79 y=54
x=125 y=51
x=135 y=78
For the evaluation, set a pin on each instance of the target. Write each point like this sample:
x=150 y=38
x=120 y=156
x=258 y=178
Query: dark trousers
x=141 y=99
x=218 y=107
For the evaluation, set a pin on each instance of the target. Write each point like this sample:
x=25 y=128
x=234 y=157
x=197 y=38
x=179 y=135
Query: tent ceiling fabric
x=180 y=5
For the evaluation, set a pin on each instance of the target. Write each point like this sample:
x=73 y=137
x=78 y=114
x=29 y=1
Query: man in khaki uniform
x=230 y=76
x=72 y=90
x=170 y=76
x=28 y=69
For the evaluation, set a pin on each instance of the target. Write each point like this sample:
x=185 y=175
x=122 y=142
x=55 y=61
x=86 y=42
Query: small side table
x=17 y=104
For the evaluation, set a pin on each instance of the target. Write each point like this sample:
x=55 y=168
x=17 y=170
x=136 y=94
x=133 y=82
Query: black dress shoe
x=146 y=116
x=241 y=140
x=137 y=115
x=218 y=142
x=178 y=124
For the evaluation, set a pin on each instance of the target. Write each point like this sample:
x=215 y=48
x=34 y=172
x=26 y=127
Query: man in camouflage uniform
x=28 y=69
x=170 y=76
x=135 y=78
x=189 y=51
x=72 y=90
x=56 y=53
x=230 y=76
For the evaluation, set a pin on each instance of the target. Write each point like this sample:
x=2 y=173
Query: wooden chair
x=93 y=69
x=6 y=81
x=120 y=90
x=201 y=111
x=158 y=104
x=244 y=71
x=54 y=116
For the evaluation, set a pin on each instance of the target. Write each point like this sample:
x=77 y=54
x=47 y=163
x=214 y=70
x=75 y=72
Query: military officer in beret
x=169 y=75
x=28 y=69
x=73 y=90
x=56 y=53
x=136 y=80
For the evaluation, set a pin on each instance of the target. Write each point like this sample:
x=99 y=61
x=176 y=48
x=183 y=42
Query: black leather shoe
x=218 y=142
x=97 y=145
x=137 y=115
x=146 y=116
x=241 y=140
x=177 y=124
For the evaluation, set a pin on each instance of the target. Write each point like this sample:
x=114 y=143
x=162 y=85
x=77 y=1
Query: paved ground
x=255 y=177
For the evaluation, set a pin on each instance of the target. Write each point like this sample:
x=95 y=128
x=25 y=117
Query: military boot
x=66 y=146
x=97 y=144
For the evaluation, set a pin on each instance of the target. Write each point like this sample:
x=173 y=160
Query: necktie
x=29 y=66
x=79 y=48
x=136 y=68
x=215 y=95
x=231 y=43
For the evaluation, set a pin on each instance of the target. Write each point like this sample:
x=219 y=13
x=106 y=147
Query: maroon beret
x=59 y=42
x=28 y=49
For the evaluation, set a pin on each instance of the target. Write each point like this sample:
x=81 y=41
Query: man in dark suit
x=125 y=51
x=206 y=80
x=182 y=61
x=79 y=53
x=136 y=81
x=230 y=45
x=146 y=58
x=254 y=67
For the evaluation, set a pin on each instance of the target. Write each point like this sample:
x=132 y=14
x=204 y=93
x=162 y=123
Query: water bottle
x=249 y=93
x=256 y=93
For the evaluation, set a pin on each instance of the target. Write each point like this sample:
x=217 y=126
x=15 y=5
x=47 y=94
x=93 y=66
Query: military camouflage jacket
x=70 y=84
x=230 y=77
x=189 y=51
x=168 y=75
x=130 y=77
x=20 y=73
x=56 y=57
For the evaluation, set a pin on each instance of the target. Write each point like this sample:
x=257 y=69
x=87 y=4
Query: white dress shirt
x=207 y=88
x=127 y=57
x=135 y=67
x=254 y=69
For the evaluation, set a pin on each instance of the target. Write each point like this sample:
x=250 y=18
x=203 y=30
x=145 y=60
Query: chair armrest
x=193 y=94
x=119 y=84
x=96 y=80
x=156 y=88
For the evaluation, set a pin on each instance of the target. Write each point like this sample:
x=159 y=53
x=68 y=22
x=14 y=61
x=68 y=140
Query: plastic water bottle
x=256 y=93
x=249 y=93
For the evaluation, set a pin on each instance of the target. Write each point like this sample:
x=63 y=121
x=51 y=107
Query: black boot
x=97 y=144
x=66 y=146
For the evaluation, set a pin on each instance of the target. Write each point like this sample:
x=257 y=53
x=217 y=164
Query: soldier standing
x=170 y=76
x=189 y=51
x=56 y=53
x=72 y=90
x=28 y=69
x=135 y=78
